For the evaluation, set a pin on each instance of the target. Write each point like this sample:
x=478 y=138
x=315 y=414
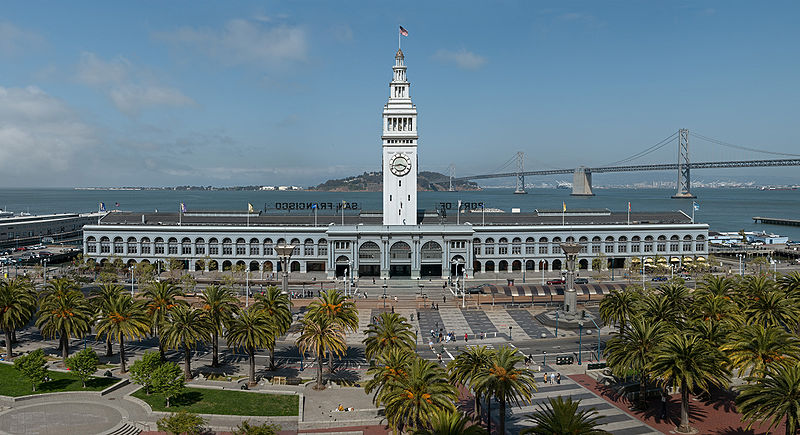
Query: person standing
x=466 y=337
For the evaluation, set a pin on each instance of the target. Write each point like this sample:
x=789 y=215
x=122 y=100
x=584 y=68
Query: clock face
x=400 y=165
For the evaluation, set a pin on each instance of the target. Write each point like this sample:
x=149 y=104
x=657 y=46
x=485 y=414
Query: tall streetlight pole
x=580 y=340
x=284 y=253
x=384 y=293
x=131 y=269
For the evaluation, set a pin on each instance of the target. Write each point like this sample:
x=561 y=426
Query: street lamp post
x=556 y=323
x=44 y=270
x=247 y=289
x=509 y=333
x=457 y=262
x=285 y=253
x=131 y=269
x=384 y=293
x=580 y=340
x=544 y=358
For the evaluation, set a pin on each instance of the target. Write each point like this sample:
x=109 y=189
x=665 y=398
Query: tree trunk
x=187 y=363
x=272 y=359
x=13 y=335
x=684 y=408
x=643 y=391
x=477 y=404
x=122 y=367
x=64 y=347
x=252 y=374
x=320 y=362
x=109 y=348
x=330 y=362
x=215 y=350
x=489 y=413
x=161 y=349
x=8 y=345
x=502 y=411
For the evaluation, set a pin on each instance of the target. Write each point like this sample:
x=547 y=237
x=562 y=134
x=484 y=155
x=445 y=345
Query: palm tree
x=336 y=308
x=183 y=329
x=447 y=422
x=59 y=287
x=505 y=382
x=688 y=362
x=772 y=308
x=101 y=298
x=161 y=297
x=634 y=350
x=321 y=335
x=561 y=417
x=658 y=307
x=753 y=348
x=413 y=399
x=17 y=305
x=390 y=332
x=219 y=303
x=677 y=295
x=714 y=333
x=64 y=314
x=250 y=329
x=617 y=307
x=466 y=367
x=391 y=365
x=715 y=308
x=716 y=285
x=278 y=308
x=122 y=317
x=775 y=397
x=790 y=283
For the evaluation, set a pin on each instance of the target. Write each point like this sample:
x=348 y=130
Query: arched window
x=622 y=247
x=132 y=245
x=661 y=246
x=296 y=244
x=648 y=244
x=516 y=246
x=570 y=239
x=200 y=247
x=119 y=248
x=369 y=252
x=105 y=245
x=490 y=266
x=158 y=246
x=254 y=249
x=91 y=244
x=241 y=248
x=502 y=246
x=308 y=248
x=400 y=251
x=488 y=248
x=145 y=242
x=701 y=243
x=544 y=248
x=431 y=251
x=268 y=247
x=186 y=246
x=213 y=246
x=322 y=247
x=476 y=247
x=609 y=249
x=530 y=265
x=172 y=246
x=502 y=266
x=530 y=246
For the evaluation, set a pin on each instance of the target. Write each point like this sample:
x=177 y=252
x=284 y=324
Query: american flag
x=403 y=31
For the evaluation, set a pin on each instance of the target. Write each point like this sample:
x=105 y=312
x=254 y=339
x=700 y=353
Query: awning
x=702 y=259
x=675 y=260
x=687 y=259
x=552 y=290
x=648 y=260
x=636 y=260
x=662 y=260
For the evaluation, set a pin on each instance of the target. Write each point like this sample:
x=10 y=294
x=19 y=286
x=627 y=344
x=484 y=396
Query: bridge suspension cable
x=730 y=145
x=664 y=142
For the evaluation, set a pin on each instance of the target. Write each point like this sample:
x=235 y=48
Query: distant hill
x=373 y=182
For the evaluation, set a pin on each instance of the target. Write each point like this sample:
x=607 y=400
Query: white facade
x=399 y=156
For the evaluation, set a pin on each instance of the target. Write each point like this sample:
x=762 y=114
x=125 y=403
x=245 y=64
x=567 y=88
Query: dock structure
x=777 y=221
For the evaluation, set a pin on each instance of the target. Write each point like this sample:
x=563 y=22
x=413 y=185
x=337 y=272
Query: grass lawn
x=226 y=402
x=14 y=385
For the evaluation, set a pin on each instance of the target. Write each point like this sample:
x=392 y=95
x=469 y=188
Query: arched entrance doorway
x=369 y=259
x=457 y=260
x=556 y=264
x=543 y=265
x=342 y=264
x=431 y=259
x=400 y=259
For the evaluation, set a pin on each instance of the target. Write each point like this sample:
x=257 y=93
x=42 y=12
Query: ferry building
x=400 y=240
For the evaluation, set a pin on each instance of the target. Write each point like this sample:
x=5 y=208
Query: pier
x=777 y=221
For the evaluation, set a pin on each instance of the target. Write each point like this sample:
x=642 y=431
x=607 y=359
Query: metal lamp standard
x=457 y=262
x=384 y=293
x=580 y=340
x=284 y=253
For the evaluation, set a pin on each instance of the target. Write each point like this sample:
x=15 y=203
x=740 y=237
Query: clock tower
x=399 y=150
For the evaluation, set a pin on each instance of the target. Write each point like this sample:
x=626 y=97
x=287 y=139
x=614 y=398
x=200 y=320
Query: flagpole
x=629 y=213
x=398 y=37
x=180 y=214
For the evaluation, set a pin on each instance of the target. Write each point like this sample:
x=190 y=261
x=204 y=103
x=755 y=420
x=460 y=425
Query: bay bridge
x=582 y=175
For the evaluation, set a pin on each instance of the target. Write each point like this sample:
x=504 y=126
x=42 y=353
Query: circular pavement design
x=62 y=418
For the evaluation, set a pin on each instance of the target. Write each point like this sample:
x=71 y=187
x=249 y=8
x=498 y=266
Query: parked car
x=581 y=280
x=556 y=281
x=477 y=290
x=659 y=278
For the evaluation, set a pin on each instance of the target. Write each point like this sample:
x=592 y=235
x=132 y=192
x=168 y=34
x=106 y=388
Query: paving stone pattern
x=529 y=324
x=613 y=419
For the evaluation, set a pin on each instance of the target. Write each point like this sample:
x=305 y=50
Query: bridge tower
x=684 y=178
x=520 y=173
x=452 y=175
x=582 y=182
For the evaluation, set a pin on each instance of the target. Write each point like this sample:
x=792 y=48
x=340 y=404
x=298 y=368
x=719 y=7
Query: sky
x=153 y=93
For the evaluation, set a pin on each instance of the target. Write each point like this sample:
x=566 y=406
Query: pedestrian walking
x=466 y=337
x=444 y=299
x=558 y=378
x=552 y=378
x=546 y=379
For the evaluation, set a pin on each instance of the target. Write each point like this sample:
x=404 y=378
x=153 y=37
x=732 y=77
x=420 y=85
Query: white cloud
x=40 y=135
x=243 y=41
x=14 y=40
x=462 y=58
x=94 y=71
x=131 y=99
x=130 y=89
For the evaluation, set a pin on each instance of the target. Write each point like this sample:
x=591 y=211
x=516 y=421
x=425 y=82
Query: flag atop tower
x=403 y=31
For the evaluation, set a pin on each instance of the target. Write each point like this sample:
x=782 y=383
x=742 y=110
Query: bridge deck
x=777 y=221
